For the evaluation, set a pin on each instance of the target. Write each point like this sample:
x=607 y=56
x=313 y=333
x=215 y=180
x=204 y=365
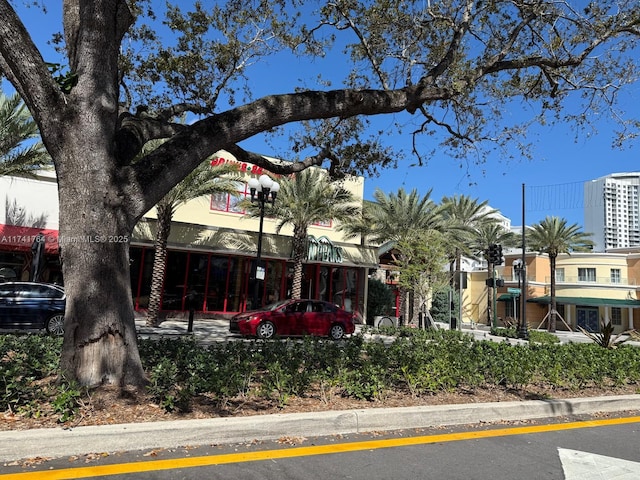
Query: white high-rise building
x=612 y=211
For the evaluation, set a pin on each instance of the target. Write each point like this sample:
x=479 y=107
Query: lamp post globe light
x=263 y=190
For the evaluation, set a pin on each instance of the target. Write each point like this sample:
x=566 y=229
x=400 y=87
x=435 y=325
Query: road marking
x=589 y=466
x=204 y=461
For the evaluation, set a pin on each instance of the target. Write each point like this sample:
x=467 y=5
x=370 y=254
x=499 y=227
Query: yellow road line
x=157 y=465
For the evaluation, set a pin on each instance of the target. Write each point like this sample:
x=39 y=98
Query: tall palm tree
x=462 y=216
x=482 y=237
x=18 y=156
x=304 y=199
x=204 y=180
x=395 y=216
x=398 y=216
x=553 y=236
x=360 y=225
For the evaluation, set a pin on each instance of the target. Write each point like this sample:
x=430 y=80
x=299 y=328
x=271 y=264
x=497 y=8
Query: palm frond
x=20 y=153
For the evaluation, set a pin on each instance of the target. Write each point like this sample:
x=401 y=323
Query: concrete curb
x=54 y=443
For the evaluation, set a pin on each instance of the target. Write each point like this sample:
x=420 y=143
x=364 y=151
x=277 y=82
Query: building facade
x=612 y=211
x=590 y=288
x=211 y=250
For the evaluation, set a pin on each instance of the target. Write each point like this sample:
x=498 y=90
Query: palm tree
x=204 y=180
x=553 y=236
x=484 y=236
x=304 y=199
x=16 y=128
x=462 y=216
x=397 y=217
x=359 y=226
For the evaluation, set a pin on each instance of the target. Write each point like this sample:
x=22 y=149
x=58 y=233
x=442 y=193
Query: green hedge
x=415 y=361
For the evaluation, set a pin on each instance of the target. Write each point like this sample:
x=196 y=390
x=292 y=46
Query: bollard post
x=191 y=303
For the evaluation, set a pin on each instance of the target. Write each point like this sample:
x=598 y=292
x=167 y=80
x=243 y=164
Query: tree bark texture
x=100 y=345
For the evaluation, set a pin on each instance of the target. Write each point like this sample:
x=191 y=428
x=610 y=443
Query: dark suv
x=32 y=305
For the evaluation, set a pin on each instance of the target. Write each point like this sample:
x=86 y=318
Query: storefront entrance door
x=587 y=318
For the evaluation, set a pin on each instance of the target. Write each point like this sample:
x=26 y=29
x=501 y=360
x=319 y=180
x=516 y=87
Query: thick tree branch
x=23 y=65
x=136 y=130
x=279 y=168
x=169 y=163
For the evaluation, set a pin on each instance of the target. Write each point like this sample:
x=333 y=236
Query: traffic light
x=495 y=254
x=492 y=253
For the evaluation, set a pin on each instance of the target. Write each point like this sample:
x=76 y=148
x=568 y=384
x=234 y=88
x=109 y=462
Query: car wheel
x=266 y=330
x=336 y=332
x=55 y=325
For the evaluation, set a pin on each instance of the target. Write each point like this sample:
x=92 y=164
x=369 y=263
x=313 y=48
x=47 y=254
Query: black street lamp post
x=263 y=190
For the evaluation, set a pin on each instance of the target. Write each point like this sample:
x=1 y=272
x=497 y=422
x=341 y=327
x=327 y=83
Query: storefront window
x=351 y=291
x=197 y=277
x=273 y=282
x=216 y=287
x=337 y=286
x=323 y=284
x=309 y=281
x=224 y=283
x=239 y=269
x=226 y=202
x=141 y=266
x=13 y=265
x=174 y=281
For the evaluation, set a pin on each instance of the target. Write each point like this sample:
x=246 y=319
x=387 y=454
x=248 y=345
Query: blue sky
x=553 y=179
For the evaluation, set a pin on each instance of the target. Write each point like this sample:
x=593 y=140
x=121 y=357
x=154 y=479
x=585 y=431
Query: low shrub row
x=535 y=336
x=414 y=362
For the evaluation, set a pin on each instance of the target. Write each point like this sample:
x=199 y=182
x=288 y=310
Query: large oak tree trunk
x=100 y=344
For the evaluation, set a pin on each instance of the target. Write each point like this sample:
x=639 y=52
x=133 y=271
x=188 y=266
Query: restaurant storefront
x=211 y=250
x=224 y=283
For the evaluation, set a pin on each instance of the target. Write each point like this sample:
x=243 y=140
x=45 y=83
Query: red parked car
x=295 y=317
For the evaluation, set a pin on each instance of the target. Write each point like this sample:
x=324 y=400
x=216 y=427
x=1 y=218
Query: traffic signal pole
x=495 y=259
x=495 y=299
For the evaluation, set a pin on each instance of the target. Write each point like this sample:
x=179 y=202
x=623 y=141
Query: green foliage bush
x=535 y=336
x=380 y=301
x=414 y=361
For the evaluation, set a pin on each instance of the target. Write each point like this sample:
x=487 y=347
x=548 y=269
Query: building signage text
x=323 y=250
x=242 y=166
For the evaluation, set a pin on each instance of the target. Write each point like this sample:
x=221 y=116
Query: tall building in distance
x=612 y=211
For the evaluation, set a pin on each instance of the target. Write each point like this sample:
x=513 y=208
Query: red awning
x=20 y=239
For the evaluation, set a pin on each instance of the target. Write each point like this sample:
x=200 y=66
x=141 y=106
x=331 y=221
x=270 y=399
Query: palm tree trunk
x=299 y=250
x=552 y=316
x=159 y=263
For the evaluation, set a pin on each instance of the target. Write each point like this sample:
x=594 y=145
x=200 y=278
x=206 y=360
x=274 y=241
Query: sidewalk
x=217 y=330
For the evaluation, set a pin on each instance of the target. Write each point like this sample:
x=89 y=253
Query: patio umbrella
x=37 y=262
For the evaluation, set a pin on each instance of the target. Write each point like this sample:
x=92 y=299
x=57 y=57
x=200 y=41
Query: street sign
x=513 y=290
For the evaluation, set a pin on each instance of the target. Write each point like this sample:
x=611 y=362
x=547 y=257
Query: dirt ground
x=111 y=406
